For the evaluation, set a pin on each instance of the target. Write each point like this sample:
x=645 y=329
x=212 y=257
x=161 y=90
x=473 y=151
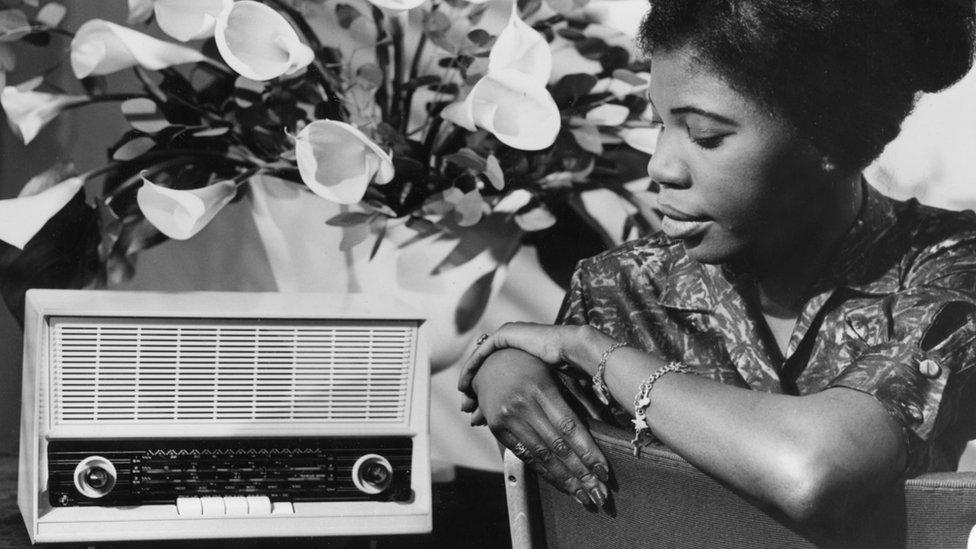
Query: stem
x=382 y=95
x=399 y=112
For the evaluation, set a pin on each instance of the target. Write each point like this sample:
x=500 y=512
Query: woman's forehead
x=681 y=78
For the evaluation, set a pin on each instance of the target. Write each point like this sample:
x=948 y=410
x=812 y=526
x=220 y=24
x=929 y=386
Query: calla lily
x=257 y=42
x=23 y=217
x=29 y=111
x=399 y=5
x=519 y=47
x=519 y=113
x=180 y=214
x=187 y=20
x=337 y=161
x=100 y=47
x=511 y=100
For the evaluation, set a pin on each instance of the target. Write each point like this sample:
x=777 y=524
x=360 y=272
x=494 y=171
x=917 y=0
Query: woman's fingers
x=566 y=443
x=525 y=443
x=569 y=429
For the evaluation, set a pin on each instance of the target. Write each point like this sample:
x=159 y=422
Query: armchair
x=660 y=500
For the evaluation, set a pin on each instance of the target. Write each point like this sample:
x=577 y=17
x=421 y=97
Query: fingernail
x=598 y=497
x=582 y=498
x=601 y=472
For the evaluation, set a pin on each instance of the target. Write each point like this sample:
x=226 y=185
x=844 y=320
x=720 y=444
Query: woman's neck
x=785 y=273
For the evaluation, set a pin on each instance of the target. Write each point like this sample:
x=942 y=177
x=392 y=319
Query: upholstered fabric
x=660 y=500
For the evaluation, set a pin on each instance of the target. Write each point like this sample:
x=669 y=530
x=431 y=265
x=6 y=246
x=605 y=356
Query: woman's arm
x=803 y=454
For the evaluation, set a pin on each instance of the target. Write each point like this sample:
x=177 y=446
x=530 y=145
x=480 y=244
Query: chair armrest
x=662 y=500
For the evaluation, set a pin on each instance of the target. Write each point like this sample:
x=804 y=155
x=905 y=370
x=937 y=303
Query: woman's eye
x=709 y=142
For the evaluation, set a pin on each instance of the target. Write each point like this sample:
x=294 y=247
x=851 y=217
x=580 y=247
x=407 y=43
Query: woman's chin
x=702 y=249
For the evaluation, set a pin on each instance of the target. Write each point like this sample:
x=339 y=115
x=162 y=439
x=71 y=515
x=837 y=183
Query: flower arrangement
x=407 y=111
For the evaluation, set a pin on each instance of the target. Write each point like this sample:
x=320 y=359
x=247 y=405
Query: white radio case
x=181 y=372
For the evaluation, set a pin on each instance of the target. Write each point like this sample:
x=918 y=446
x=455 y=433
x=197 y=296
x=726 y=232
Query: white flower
x=521 y=48
x=257 y=42
x=189 y=19
x=511 y=100
x=101 y=47
x=642 y=139
x=337 y=161
x=23 y=217
x=519 y=113
x=180 y=214
x=608 y=114
x=401 y=5
x=29 y=111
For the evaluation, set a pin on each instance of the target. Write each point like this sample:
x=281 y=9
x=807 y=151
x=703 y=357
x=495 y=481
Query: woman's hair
x=844 y=72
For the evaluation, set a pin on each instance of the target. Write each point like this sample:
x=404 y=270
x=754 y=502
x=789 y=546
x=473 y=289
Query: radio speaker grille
x=160 y=370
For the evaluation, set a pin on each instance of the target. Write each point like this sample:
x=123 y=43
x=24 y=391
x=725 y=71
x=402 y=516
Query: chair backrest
x=660 y=500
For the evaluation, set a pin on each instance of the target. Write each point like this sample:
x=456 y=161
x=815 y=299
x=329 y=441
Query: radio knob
x=372 y=474
x=95 y=477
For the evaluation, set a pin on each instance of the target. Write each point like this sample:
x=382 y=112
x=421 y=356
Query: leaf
x=378 y=225
x=571 y=34
x=144 y=115
x=95 y=85
x=353 y=235
x=13 y=25
x=572 y=87
x=8 y=59
x=479 y=37
x=48 y=178
x=493 y=171
x=31 y=84
x=436 y=22
x=212 y=132
x=421 y=81
x=369 y=76
x=536 y=219
x=473 y=303
x=629 y=77
x=347 y=15
x=476 y=13
x=51 y=14
x=133 y=149
x=467 y=158
x=588 y=137
x=591 y=48
x=110 y=227
x=350 y=219
x=528 y=7
x=470 y=208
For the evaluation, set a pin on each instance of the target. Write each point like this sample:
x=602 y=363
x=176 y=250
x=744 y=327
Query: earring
x=827 y=165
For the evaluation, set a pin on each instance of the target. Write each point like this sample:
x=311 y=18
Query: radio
x=210 y=415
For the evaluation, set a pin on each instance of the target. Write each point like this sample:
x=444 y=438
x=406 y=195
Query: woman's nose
x=666 y=166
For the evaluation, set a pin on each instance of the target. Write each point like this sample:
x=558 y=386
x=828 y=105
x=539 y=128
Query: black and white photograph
x=487 y=274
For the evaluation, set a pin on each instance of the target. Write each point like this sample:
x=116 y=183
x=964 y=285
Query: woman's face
x=736 y=181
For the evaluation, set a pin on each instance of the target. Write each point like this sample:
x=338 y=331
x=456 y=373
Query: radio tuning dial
x=95 y=477
x=372 y=474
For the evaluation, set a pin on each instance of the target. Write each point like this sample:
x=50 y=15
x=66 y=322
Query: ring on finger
x=481 y=339
x=520 y=450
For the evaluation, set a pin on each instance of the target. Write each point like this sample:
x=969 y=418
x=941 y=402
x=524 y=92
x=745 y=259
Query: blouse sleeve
x=924 y=366
x=573 y=309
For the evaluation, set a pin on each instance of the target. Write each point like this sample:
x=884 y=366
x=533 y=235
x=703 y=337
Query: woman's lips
x=682 y=229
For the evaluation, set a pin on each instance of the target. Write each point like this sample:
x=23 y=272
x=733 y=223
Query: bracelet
x=599 y=384
x=643 y=400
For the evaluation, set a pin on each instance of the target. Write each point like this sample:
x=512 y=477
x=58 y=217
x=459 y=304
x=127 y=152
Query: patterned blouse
x=894 y=316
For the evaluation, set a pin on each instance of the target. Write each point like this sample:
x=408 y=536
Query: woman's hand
x=522 y=405
x=552 y=344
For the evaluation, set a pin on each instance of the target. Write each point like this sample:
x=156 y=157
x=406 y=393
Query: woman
x=791 y=332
